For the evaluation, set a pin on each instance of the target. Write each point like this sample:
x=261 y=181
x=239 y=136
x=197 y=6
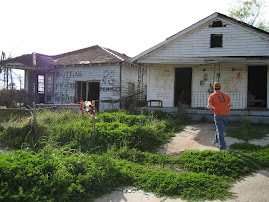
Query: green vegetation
x=248 y=131
x=61 y=158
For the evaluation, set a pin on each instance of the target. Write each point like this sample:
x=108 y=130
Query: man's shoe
x=215 y=144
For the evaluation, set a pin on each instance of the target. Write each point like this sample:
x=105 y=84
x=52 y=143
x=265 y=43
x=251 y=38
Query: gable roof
x=195 y=26
x=91 y=55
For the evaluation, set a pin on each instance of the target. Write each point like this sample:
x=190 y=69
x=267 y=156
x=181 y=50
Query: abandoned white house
x=183 y=68
x=94 y=73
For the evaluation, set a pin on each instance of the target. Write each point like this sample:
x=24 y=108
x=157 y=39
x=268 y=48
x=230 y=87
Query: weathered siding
x=107 y=75
x=129 y=75
x=161 y=84
x=237 y=41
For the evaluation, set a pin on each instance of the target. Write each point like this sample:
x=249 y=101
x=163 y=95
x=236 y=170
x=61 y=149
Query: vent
x=217 y=23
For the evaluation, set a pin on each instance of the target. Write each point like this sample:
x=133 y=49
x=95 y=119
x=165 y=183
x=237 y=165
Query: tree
x=250 y=12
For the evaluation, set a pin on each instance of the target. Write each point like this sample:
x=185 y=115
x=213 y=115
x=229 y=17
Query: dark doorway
x=94 y=92
x=87 y=91
x=257 y=86
x=183 y=77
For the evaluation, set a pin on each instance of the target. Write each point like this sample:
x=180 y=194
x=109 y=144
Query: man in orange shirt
x=221 y=103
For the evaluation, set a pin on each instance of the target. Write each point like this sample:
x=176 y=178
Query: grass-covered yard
x=62 y=158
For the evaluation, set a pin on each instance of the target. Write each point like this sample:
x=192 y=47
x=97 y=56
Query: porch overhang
x=17 y=65
x=262 y=60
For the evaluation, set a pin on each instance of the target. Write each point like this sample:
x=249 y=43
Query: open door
x=183 y=77
x=87 y=91
x=257 y=86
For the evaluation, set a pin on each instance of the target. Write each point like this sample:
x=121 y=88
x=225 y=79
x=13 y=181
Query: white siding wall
x=129 y=74
x=237 y=41
x=107 y=75
x=161 y=84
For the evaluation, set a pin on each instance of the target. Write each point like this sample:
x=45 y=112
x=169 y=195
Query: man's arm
x=230 y=103
x=209 y=106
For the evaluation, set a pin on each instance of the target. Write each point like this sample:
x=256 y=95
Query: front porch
x=256 y=114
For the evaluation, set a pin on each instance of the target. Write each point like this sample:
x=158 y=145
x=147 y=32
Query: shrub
x=13 y=98
x=56 y=175
x=256 y=153
x=218 y=163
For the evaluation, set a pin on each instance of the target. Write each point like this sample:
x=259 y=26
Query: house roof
x=91 y=55
x=195 y=26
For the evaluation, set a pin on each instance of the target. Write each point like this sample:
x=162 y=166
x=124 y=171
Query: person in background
x=221 y=103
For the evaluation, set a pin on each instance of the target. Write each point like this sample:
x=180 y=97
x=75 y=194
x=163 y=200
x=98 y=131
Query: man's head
x=217 y=86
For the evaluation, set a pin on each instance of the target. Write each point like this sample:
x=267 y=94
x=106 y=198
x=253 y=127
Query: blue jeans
x=220 y=122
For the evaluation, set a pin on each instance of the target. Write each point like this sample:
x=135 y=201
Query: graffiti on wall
x=65 y=84
x=63 y=97
x=109 y=78
x=69 y=74
x=110 y=89
x=110 y=83
x=163 y=84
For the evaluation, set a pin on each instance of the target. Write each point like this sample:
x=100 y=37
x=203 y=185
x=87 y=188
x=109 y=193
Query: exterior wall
x=237 y=41
x=107 y=75
x=161 y=84
x=129 y=75
x=233 y=79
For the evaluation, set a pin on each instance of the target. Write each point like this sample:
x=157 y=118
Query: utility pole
x=20 y=80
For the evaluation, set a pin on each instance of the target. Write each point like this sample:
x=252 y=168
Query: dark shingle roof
x=94 y=54
x=91 y=55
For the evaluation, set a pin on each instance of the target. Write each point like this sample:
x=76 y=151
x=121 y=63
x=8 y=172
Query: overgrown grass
x=248 y=130
x=69 y=127
x=62 y=159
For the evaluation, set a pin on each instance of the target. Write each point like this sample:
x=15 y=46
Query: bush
x=56 y=175
x=14 y=98
x=256 y=153
x=218 y=163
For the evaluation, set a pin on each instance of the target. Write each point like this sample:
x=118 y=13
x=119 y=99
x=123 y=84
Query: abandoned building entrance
x=183 y=77
x=257 y=86
x=88 y=91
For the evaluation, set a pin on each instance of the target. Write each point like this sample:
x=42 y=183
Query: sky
x=53 y=27
x=57 y=26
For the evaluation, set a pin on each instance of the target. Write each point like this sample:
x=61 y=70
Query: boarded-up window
x=216 y=41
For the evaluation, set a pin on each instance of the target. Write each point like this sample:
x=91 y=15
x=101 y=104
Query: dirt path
x=199 y=137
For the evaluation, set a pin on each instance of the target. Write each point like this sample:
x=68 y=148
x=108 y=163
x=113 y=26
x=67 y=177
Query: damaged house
x=93 y=73
x=182 y=69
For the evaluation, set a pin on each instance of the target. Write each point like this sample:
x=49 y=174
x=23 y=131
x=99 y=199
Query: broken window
x=216 y=41
x=40 y=84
